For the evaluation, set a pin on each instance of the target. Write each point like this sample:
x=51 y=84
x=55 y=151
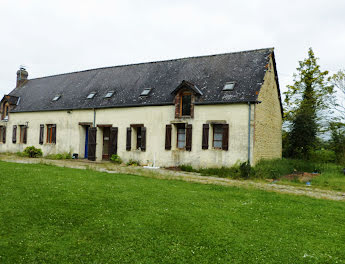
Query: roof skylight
x=57 y=97
x=229 y=86
x=91 y=95
x=109 y=94
x=146 y=92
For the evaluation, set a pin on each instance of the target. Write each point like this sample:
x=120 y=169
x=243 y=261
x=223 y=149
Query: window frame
x=49 y=138
x=1 y=134
x=214 y=127
x=21 y=134
x=181 y=127
x=109 y=94
x=181 y=104
x=56 y=98
x=138 y=137
x=146 y=91
x=91 y=95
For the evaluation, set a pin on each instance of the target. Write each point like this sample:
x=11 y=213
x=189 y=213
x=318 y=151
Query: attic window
x=229 y=86
x=109 y=94
x=91 y=95
x=146 y=92
x=57 y=97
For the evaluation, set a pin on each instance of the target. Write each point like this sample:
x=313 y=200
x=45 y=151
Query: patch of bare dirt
x=300 y=176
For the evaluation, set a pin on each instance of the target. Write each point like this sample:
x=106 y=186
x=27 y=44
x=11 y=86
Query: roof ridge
x=150 y=62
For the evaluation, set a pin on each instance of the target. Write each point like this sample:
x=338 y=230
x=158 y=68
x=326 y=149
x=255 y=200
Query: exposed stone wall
x=268 y=120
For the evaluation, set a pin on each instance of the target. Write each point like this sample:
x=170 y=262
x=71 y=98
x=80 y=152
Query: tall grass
x=272 y=169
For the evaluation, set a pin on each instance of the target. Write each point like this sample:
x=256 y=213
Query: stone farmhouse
x=206 y=111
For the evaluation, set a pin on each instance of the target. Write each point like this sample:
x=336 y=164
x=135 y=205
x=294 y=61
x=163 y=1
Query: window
x=145 y=92
x=217 y=136
x=184 y=136
x=186 y=103
x=2 y=134
x=57 y=97
x=6 y=112
x=91 y=95
x=14 y=134
x=181 y=136
x=229 y=86
x=51 y=134
x=138 y=137
x=109 y=94
x=23 y=134
x=220 y=134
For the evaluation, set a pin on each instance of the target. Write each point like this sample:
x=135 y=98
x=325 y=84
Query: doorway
x=86 y=141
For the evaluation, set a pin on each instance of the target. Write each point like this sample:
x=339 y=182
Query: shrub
x=116 y=159
x=59 y=156
x=187 y=167
x=133 y=163
x=223 y=172
x=22 y=154
x=33 y=152
x=246 y=170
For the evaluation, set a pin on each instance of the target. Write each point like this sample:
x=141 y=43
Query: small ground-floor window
x=23 y=134
x=181 y=136
x=217 y=136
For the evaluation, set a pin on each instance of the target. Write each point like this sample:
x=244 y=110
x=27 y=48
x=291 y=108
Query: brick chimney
x=22 y=76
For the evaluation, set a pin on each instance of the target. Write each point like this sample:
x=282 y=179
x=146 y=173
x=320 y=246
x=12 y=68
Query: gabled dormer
x=6 y=104
x=185 y=95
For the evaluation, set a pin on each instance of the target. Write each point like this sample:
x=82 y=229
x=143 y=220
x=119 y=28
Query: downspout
x=94 y=117
x=249 y=117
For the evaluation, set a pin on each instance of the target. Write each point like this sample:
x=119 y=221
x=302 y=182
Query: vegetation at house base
x=62 y=215
x=305 y=101
x=115 y=159
x=59 y=156
x=32 y=152
x=133 y=163
x=321 y=170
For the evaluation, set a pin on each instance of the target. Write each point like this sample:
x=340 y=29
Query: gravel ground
x=180 y=175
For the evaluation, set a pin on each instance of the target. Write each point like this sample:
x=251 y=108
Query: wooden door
x=91 y=153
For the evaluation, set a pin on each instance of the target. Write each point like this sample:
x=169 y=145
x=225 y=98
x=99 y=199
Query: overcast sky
x=52 y=37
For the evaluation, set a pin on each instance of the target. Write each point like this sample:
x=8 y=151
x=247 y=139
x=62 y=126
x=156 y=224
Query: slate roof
x=207 y=73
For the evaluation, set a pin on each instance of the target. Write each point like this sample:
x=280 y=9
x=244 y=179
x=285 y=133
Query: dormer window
x=146 y=92
x=185 y=96
x=6 y=112
x=186 y=104
x=109 y=94
x=229 y=86
x=91 y=95
x=57 y=97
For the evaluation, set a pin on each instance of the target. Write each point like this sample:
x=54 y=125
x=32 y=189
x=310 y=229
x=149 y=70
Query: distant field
x=59 y=215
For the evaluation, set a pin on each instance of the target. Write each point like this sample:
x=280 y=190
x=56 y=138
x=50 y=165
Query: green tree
x=337 y=140
x=305 y=102
x=338 y=102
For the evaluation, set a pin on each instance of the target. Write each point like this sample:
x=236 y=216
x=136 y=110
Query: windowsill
x=49 y=144
x=217 y=149
x=180 y=149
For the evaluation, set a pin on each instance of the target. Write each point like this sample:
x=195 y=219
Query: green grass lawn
x=60 y=215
